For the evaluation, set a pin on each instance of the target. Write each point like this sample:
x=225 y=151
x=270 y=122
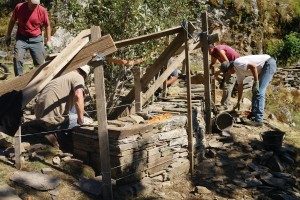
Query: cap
x=35 y=1
x=86 y=69
x=225 y=66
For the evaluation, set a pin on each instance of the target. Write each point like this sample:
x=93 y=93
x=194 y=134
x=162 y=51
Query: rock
x=210 y=153
x=253 y=182
x=137 y=119
x=202 y=190
x=215 y=144
x=36 y=147
x=46 y=170
x=56 y=160
x=271 y=180
x=65 y=159
x=91 y=186
x=35 y=180
x=239 y=183
x=8 y=193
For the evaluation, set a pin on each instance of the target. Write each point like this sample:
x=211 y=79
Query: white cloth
x=241 y=63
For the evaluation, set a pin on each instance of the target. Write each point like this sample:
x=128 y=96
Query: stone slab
x=8 y=193
x=36 y=180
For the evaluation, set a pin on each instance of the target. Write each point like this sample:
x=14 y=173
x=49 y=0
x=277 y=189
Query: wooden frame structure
x=82 y=50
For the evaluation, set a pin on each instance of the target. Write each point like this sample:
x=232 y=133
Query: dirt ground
x=217 y=176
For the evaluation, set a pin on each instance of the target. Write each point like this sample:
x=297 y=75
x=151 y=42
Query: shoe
x=251 y=116
x=254 y=123
x=52 y=139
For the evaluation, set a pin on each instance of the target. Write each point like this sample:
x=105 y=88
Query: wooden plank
x=48 y=73
x=204 y=41
x=178 y=60
x=137 y=89
x=18 y=153
x=20 y=82
x=104 y=46
x=189 y=106
x=151 y=72
x=102 y=122
x=147 y=37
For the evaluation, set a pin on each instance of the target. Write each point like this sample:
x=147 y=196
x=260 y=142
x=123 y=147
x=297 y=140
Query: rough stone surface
x=35 y=180
x=8 y=193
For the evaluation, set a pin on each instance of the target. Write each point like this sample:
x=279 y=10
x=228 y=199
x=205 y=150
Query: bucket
x=272 y=140
x=222 y=121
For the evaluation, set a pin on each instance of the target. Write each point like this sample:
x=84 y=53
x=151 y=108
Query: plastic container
x=272 y=140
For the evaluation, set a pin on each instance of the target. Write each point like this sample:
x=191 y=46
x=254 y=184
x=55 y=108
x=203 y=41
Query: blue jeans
x=258 y=100
x=36 y=49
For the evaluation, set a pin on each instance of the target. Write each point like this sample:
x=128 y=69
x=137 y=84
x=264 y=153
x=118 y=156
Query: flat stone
x=239 y=183
x=46 y=170
x=183 y=141
x=215 y=144
x=271 y=180
x=253 y=182
x=91 y=186
x=138 y=119
x=202 y=190
x=177 y=133
x=35 y=180
x=8 y=193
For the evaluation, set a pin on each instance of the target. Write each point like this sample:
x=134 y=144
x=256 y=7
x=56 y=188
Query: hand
x=48 y=47
x=255 y=87
x=8 y=40
x=237 y=106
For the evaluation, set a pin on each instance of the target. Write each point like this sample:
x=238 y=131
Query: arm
x=48 y=33
x=213 y=61
x=253 y=69
x=240 y=91
x=10 y=25
x=79 y=105
x=172 y=80
x=223 y=56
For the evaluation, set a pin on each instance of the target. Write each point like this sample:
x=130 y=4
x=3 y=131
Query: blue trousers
x=35 y=45
x=258 y=100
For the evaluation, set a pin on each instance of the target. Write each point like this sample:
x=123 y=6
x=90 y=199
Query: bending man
x=54 y=103
x=224 y=53
x=262 y=68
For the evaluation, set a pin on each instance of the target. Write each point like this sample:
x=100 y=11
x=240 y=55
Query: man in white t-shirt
x=262 y=68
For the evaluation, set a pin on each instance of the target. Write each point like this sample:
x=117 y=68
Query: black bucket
x=222 y=121
x=272 y=140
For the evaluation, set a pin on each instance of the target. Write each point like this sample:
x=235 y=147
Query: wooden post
x=165 y=86
x=204 y=42
x=17 y=144
x=137 y=89
x=102 y=121
x=189 y=104
x=213 y=85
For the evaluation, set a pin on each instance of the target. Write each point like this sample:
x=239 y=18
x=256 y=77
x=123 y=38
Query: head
x=226 y=67
x=84 y=70
x=211 y=49
x=33 y=3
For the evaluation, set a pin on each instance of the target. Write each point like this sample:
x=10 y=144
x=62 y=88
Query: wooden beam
x=147 y=37
x=104 y=46
x=102 y=121
x=205 y=43
x=51 y=70
x=189 y=107
x=174 y=65
x=137 y=89
x=152 y=71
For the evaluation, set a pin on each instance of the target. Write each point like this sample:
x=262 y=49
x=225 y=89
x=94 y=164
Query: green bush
x=287 y=51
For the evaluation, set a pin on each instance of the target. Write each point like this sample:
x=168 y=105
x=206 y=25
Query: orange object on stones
x=159 y=118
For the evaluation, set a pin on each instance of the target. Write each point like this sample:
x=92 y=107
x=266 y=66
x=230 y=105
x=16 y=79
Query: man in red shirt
x=224 y=53
x=31 y=17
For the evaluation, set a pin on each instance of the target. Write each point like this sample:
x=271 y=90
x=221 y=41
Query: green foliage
x=287 y=52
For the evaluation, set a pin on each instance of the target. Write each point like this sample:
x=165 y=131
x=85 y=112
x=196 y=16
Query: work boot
x=251 y=116
x=255 y=123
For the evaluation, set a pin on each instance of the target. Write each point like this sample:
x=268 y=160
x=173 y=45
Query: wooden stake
x=189 y=105
x=137 y=89
x=17 y=143
x=102 y=121
x=204 y=42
